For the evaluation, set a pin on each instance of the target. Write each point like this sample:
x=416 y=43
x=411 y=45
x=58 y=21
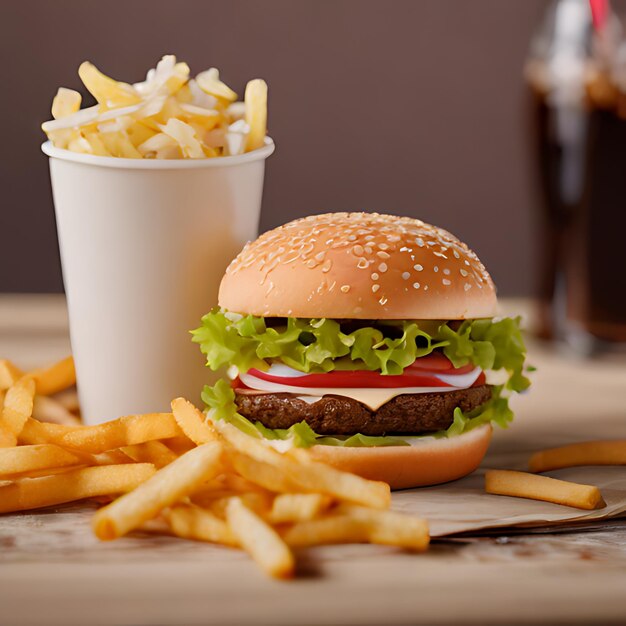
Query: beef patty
x=338 y=415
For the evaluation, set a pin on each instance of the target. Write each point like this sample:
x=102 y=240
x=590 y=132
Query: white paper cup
x=144 y=244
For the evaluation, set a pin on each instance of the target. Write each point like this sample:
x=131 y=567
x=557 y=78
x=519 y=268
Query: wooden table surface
x=53 y=571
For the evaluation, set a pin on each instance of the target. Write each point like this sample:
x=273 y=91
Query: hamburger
x=370 y=339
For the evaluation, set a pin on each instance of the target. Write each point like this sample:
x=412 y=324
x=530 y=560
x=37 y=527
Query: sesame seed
x=368 y=249
x=416 y=285
x=436 y=268
x=327 y=265
x=446 y=282
x=418 y=267
x=406 y=275
x=311 y=263
x=467 y=286
x=369 y=237
x=320 y=256
x=456 y=254
x=357 y=250
x=345 y=288
x=382 y=267
x=466 y=262
x=383 y=300
x=440 y=254
x=362 y=264
x=374 y=276
x=352 y=238
x=446 y=271
x=420 y=242
x=382 y=255
x=375 y=288
x=383 y=246
x=290 y=259
x=463 y=272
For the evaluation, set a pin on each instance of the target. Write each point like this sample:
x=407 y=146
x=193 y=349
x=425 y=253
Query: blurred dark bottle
x=577 y=74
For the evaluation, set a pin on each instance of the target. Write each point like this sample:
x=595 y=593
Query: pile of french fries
x=182 y=475
x=169 y=115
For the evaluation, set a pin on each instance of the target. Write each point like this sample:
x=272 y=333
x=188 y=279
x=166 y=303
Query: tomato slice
x=418 y=374
x=357 y=378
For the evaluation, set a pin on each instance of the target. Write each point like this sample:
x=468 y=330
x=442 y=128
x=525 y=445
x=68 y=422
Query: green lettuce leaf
x=221 y=401
x=311 y=345
x=322 y=345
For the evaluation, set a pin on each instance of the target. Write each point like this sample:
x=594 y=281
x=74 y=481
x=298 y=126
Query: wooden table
x=53 y=571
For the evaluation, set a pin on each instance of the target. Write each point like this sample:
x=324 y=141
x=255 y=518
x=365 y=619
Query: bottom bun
x=428 y=462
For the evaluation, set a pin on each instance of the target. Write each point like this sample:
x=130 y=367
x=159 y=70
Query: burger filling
x=345 y=382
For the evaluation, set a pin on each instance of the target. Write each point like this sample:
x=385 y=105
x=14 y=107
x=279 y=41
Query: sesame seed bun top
x=358 y=266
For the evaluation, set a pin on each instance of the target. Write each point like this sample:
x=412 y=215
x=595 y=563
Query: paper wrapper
x=463 y=506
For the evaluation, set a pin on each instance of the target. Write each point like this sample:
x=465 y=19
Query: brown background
x=411 y=107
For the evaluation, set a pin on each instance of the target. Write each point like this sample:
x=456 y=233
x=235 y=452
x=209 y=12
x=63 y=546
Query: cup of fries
x=155 y=189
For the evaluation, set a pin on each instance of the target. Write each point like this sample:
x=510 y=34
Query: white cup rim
x=158 y=164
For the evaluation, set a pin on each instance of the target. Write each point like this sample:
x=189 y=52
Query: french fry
x=311 y=475
x=9 y=374
x=35 y=432
x=256 y=113
x=326 y=530
x=193 y=422
x=228 y=485
x=157 y=526
x=153 y=452
x=55 y=378
x=586 y=453
x=179 y=445
x=46 y=409
x=390 y=528
x=17 y=409
x=169 y=485
x=32 y=493
x=213 y=498
x=260 y=540
x=209 y=81
x=66 y=102
x=48 y=471
x=21 y=459
x=105 y=90
x=241 y=484
x=262 y=474
x=298 y=507
x=124 y=431
x=111 y=457
x=68 y=399
x=260 y=503
x=191 y=522
x=524 y=485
